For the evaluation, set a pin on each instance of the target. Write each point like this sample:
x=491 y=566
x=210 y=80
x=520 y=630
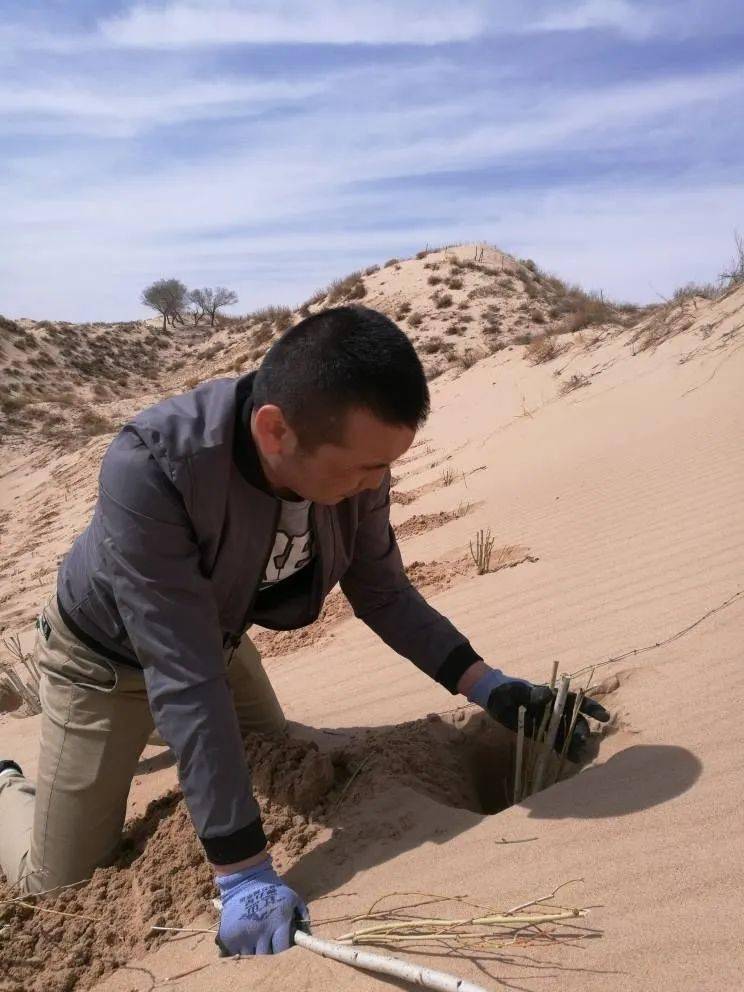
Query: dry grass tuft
x=576 y=381
x=542 y=349
x=26 y=688
x=351 y=287
x=442 y=300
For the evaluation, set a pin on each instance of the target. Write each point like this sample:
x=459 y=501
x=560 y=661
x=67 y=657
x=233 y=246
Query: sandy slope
x=628 y=492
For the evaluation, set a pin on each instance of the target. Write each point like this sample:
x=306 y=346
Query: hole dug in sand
x=330 y=811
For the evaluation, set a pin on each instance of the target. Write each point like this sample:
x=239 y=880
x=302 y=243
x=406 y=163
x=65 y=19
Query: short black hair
x=338 y=359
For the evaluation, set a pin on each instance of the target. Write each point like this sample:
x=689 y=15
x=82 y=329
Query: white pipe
x=440 y=981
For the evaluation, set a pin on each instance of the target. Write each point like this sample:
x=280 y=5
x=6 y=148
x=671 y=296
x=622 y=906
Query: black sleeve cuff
x=457 y=662
x=238 y=846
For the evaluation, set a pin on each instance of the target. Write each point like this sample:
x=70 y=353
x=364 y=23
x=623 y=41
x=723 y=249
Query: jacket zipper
x=277 y=515
x=317 y=602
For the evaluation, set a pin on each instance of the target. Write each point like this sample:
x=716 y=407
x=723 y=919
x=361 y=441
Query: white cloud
x=193 y=24
x=291 y=206
x=121 y=108
x=291 y=186
x=589 y=15
x=186 y=23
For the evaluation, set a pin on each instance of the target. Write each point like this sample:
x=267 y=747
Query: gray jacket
x=165 y=577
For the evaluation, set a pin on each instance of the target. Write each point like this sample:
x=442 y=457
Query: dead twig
x=668 y=640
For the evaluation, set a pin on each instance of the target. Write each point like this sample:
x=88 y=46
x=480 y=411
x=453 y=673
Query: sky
x=271 y=147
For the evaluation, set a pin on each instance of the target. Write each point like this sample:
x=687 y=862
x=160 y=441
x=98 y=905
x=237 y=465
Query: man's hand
x=502 y=696
x=259 y=912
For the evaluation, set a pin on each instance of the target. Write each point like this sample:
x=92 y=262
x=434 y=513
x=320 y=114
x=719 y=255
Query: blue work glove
x=501 y=696
x=259 y=912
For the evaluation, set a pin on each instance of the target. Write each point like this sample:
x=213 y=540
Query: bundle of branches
x=27 y=689
x=535 y=764
x=486 y=929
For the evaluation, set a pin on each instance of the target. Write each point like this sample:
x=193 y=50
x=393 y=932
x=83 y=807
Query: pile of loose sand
x=308 y=796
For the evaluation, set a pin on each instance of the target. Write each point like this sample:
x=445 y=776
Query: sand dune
x=620 y=495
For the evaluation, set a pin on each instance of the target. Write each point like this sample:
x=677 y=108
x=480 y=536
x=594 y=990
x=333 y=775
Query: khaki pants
x=95 y=723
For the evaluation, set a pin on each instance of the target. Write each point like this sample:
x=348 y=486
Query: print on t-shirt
x=293 y=543
x=290 y=554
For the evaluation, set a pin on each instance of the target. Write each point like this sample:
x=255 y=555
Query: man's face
x=332 y=472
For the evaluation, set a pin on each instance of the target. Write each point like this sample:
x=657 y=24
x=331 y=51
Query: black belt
x=92 y=643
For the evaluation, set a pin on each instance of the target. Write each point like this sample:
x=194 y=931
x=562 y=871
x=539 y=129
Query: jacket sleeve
x=382 y=596
x=171 y=618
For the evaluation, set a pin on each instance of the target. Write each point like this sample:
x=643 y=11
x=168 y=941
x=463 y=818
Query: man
x=243 y=502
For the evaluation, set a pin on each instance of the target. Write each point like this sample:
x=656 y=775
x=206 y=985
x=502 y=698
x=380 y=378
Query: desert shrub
x=279 y=316
x=529 y=264
x=486 y=292
x=312 y=301
x=391 y=261
x=262 y=334
x=542 y=349
x=64 y=397
x=422 y=254
x=455 y=283
x=555 y=285
x=92 y=423
x=403 y=310
x=434 y=280
x=589 y=309
x=734 y=274
x=371 y=269
x=432 y=346
x=8 y=325
x=537 y=316
x=415 y=319
x=432 y=265
x=12 y=404
x=692 y=289
x=467 y=358
x=240 y=360
x=350 y=287
x=442 y=300
x=455 y=330
x=522 y=339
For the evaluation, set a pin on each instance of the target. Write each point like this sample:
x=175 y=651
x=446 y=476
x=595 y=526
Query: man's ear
x=272 y=430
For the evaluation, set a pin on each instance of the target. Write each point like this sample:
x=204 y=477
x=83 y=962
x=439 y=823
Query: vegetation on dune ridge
x=67 y=382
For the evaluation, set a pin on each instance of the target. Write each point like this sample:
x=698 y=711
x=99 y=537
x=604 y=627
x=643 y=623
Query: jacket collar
x=245 y=455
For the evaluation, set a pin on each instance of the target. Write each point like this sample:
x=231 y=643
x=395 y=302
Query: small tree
x=207 y=301
x=168 y=296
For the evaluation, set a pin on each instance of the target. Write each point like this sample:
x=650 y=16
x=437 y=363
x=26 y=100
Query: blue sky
x=273 y=146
